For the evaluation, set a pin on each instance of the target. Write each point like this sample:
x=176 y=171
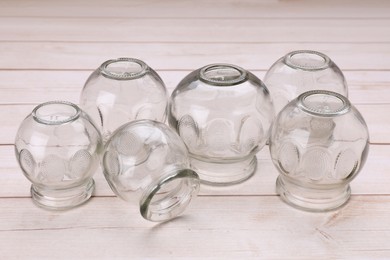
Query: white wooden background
x=47 y=50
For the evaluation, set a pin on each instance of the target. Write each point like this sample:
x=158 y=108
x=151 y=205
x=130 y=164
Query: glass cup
x=146 y=163
x=319 y=143
x=57 y=147
x=122 y=90
x=223 y=113
x=301 y=71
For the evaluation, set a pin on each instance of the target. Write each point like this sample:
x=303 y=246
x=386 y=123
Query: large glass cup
x=223 y=113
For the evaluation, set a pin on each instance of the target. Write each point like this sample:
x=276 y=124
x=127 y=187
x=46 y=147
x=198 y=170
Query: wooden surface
x=48 y=49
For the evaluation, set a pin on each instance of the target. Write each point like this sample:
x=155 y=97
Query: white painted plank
x=378 y=122
x=368 y=86
x=376 y=116
x=373 y=179
x=365 y=87
x=193 y=30
x=199 y=9
x=34 y=87
x=213 y=227
x=169 y=56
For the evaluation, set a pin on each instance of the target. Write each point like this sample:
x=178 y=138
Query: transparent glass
x=223 y=113
x=122 y=90
x=146 y=163
x=57 y=147
x=319 y=143
x=301 y=71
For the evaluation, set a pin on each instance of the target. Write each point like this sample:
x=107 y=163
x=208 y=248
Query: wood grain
x=373 y=178
x=375 y=115
x=179 y=56
x=249 y=227
x=194 y=30
x=41 y=86
x=236 y=9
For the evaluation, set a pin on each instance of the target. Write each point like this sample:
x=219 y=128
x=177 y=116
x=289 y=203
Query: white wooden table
x=47 y=50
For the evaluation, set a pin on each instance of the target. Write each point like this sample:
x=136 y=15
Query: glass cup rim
x=147 y=198
x=124 y=76
x=241 y=78
x=56 y=122
x=343 y=109
x=288 y=60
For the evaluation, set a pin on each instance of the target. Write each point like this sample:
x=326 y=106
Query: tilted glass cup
x=146 y=163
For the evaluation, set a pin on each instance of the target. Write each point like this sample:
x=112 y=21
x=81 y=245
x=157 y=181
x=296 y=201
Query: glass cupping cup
x=223 y=113
x=146 y=163
x=319 y=143
x=57 y=147
x=300 y=71
x=122 y=90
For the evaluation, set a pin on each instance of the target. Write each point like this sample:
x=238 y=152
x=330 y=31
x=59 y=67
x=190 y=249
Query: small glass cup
x=300 y=71
x=223 y=113
x=57 y=147
x=122 y=90
x=319 y=143
x=146 y=163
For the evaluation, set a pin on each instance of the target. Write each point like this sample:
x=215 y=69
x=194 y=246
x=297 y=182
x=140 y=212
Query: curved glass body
x=301 y=71
x=57 y=147
x=123 y=90
x=146 y=163
x=319 y=143
x=223 y=113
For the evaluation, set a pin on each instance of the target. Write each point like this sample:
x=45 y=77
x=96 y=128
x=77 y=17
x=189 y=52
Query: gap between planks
x=193 y=31
x=248 y=226
x=360 y=56
x=371 y=180
x=229 y=9
x=249 y=18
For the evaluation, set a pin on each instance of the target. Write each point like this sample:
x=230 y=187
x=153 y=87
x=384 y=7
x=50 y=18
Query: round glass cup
x=122 y=90
x=300 y=71
x=319 y=143
x=223 y=113
x=146 y=163
x=57 y=147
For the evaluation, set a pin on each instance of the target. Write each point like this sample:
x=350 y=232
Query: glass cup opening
x=56 y=112
x=170 y=197
x=324 y=103
x=307 y=60
x=123 y=68
x=223 y=74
